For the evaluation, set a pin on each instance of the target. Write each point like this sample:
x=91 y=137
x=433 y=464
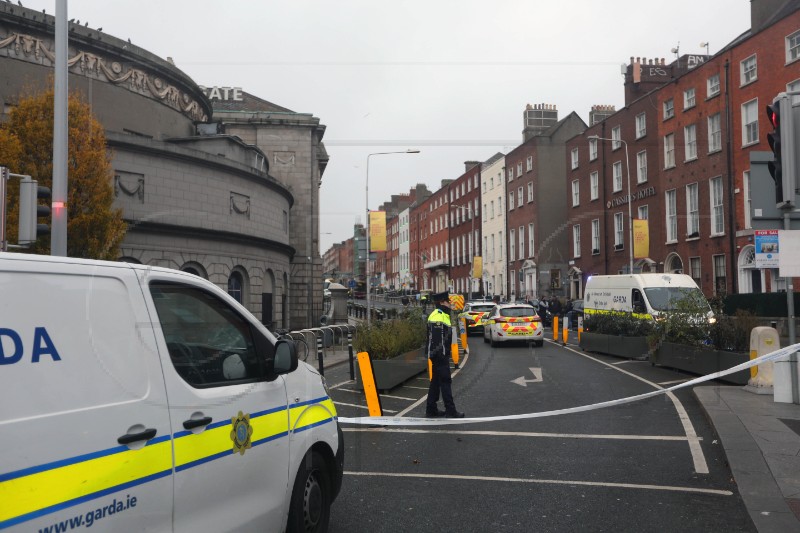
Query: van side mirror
x=285 y=360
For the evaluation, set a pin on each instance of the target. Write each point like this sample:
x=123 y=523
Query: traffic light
x=30 y=210
x=782 y=139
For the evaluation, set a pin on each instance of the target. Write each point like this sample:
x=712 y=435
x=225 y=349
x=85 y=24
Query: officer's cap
x=441 y=296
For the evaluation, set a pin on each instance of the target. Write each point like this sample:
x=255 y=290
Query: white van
x=137 y=398
x=644 y=295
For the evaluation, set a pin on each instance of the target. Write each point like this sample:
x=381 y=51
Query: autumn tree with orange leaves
x=95 y=228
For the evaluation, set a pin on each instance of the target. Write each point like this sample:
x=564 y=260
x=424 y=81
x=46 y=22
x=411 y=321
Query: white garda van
x=644 y=295
x=135 y=398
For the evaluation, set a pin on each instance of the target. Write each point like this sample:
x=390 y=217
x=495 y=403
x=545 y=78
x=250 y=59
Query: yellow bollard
x=565 y=332
x=430 y=370
x=370 y=388
x=454 y=353
x=580 y=330
x=464 y=335
x=555 y=328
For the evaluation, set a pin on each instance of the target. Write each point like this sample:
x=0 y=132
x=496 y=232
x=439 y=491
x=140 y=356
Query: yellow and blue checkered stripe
x=44 y=489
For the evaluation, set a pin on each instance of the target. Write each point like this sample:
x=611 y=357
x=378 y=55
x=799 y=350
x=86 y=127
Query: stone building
x=199 y=193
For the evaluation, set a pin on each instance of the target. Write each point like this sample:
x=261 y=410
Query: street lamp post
x=630 y=197
x=366 y=188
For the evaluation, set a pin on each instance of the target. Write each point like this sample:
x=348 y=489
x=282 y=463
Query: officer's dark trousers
x=441 y=382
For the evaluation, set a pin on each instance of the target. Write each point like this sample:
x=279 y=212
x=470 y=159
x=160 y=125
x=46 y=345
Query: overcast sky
x=450 y=78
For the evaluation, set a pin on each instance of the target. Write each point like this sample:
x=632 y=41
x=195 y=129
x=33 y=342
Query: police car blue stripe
x=315 y=424
x=270 y=438
x=267 y=412
x=77 y=501
x=310 y=402
x=73 y=460
x=204 y=460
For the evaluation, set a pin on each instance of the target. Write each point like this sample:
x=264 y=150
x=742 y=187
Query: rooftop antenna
x=677 y=52
x=706 y=46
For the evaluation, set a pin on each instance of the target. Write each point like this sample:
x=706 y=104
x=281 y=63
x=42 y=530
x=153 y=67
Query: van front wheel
x=310 y=509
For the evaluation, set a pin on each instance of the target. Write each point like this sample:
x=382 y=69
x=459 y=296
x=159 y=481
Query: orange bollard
x=555 y=328
x=370 y=388
x=580 y=330
x=565 y=332
x=464 y=335
x=430 y=370
x=454 y=353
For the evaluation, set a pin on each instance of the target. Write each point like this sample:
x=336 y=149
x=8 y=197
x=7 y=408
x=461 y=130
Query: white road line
x=699 y=460
x=360 y=406
x=667 y=383
x=342 y=384
x=382 y=395
x=674 y=438
x=628 y=361
x=668 y=488
x=411 y=387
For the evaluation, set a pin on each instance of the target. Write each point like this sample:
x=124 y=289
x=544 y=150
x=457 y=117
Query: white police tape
x=411 y=421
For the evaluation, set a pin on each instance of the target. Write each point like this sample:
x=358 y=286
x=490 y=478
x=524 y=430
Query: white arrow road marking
x=537 y=377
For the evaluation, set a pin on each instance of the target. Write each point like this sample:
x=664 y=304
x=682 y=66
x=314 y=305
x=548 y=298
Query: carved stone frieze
x=129 y=184
x=240 y=204
x=284 y=158
x=35 y=50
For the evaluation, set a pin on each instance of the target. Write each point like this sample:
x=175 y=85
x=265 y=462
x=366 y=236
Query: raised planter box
x=617 y=345
x=701 y=361
x=389 y=373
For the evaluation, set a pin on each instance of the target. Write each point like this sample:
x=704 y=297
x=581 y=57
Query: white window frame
x=512 y=245
x=530 y=191
x=576 y=240
x=712 y=85
x=594 y=185
x=510 y=200
x=529 y=163
x=619 y=229
x=793 y=47
x=671 y=215
x=616 y=137
x=717 y=206
x=692 y=210
x=750 y=122
x=748 y=70
x=690 y=142
x=643 y=212
x=695 y=270
x=519 y=169
x=595 y=236
x=641 y=167
x=521 y=242
x=510 y=173
x=576 y=193
x=520 y=196
x=531 y=240
x=574 y=156
x=617 y=176
x=641 y=125
x=669 y=108
x=592 y=149
x=669 y=150
x=715 y=133
x=689 y=98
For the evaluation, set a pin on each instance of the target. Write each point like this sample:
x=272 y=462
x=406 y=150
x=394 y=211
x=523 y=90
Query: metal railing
x=323 y=341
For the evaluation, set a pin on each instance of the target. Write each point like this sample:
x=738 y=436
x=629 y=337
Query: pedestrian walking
x=440 y=334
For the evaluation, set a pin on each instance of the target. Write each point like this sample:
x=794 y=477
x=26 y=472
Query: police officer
x=440 y=334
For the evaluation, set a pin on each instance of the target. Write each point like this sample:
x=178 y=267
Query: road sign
x=351 y=283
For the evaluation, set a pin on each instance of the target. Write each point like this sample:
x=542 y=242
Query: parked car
x=474 y=312
x=513 y=322
x=575 y=313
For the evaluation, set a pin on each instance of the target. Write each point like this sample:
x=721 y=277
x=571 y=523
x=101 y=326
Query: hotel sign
x=639 y=195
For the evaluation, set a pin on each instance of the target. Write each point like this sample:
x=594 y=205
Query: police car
x=513 y=322
x=137 y=398
x=474 y=312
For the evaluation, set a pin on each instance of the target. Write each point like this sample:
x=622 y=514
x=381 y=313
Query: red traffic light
x=774 y=114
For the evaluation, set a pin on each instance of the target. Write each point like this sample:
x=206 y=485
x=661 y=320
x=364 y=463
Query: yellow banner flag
x=377 y=231
x=641 y=239
x=477 y=267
